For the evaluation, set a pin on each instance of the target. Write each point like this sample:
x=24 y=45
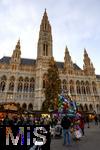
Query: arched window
x=24 y=106
x=87 y=90
x=30 y=107
x=32 y=85
x=71 y=89
x=3 y=83
x=87 y=85
x=11 y=84
x=2 y=86
x=78 y=87
x=20 y=84
x=94 y=90
x=20 y=79
x=25 y=87
x=81 y=107
x=94 y=87
x=71 y=86
x=18 y=106
x=26 y=84
x=83 y=87
x=90 y=107
x=64 y=85
x=83 y=90
x=20 y=87
x=44 y=80
x=45 y=49
x=85 y=107
x=26 y=79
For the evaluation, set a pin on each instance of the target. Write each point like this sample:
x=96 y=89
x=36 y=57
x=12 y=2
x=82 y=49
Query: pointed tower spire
x=18 y=45
x=45 y=38
x=88 y=66
x=45 y=14
x=86 y=58
x=45 y=25
x=68 y=64
x=67 y=55
x=16 y=56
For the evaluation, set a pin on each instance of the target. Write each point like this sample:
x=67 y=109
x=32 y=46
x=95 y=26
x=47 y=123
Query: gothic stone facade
x=22 y=80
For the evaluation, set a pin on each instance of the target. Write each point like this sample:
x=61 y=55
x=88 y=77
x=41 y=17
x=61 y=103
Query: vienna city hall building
x=22 y=80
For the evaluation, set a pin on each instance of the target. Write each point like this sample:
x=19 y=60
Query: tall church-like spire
x=67 y=57
x=16 y=56
x=88 y=66
x=45 y=38
x=86 y=58
x=45 y=25
x=68 y=65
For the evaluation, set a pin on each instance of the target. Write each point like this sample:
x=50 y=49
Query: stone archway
x=81 y=107
x=85 y=107
x=24 y=106
x=30 y=106
x=91 y=107
x=18 y=106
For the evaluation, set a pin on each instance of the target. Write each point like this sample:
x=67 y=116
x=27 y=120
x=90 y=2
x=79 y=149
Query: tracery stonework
x=23 y=80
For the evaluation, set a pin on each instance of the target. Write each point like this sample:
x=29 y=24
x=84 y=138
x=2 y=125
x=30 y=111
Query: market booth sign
x=10 y=107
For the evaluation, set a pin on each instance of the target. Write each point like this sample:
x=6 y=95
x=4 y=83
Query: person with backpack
x=66 y=123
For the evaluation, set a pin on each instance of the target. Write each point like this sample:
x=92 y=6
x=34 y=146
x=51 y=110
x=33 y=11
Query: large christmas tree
x=52 y=88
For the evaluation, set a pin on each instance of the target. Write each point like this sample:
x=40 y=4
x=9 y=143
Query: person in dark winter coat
x=82 y=124
x=87 y=121
x=96 y=120
x=66 y=123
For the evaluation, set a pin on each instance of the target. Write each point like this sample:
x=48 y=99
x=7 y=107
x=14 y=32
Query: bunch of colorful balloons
x=67 y=106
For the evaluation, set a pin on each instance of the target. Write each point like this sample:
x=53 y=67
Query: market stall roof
x=9 y=106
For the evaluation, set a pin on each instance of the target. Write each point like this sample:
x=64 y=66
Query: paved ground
x=91 y=141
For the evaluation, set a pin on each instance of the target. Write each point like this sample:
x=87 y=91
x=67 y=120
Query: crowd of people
x=60 y=126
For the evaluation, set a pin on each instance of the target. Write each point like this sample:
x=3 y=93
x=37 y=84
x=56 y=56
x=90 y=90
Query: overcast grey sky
x=75 y=23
